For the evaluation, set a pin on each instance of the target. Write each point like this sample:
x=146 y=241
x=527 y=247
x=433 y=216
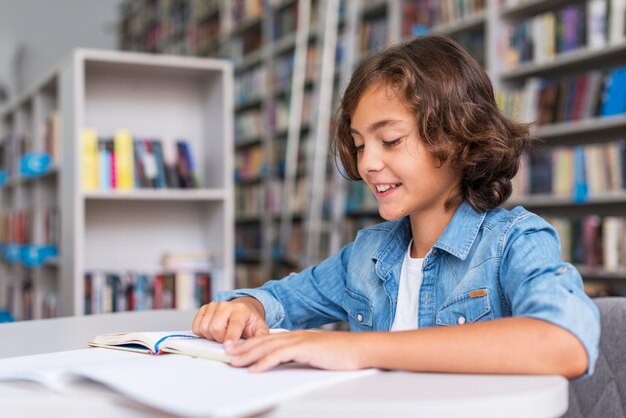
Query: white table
x=390 y=394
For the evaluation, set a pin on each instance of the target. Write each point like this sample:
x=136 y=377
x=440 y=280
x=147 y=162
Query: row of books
x=592 y=24
x=593 y=241
x=374 y=35
x=419 y=16
x=285 y=21
x=250 y=163
x=14 y=147
x=107 y=291
x=152 y=26
x=125 y=163
x=577 y=171
x=582 y=96
x=18 y=226
x=33 y=304
x=249 y=125
x=251 y=85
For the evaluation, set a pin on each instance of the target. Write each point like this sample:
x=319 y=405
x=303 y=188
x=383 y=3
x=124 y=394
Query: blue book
x=580 y=176
x=614 y=100
x=104 y=165
x=157 y=150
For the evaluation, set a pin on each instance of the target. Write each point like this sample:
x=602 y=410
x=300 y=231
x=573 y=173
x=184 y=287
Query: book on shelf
x=175 y=342
x=578 y=171
x=106 y=291
x=89 y=158
x=593 y=241
x=125 y=163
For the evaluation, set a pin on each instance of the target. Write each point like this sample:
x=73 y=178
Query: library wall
x=47 y=30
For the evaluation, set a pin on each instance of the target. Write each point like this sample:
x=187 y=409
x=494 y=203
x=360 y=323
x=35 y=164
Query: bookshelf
x=122 y=231
x=578 y=184
x=490 y=29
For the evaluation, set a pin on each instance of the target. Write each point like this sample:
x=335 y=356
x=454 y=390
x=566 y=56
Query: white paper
x=176 y=384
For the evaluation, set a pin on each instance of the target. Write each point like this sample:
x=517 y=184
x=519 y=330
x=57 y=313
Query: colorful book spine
x=124 y=160
x=89 y=159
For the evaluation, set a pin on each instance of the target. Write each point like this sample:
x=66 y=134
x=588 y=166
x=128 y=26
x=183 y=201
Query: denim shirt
x=485 y=265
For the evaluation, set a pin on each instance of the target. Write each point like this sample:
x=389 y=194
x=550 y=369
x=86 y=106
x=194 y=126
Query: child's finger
x=236 y=324
x=274 y=358
x=253 y=350
x=204 y=319
x=195 y=326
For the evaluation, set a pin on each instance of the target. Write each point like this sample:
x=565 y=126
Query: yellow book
x=124 y=168
x=89 y=159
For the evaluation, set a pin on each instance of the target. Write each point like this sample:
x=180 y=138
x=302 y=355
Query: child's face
x=393 y=161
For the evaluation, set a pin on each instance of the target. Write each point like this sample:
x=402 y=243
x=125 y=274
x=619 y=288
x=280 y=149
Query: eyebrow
x=377 y=125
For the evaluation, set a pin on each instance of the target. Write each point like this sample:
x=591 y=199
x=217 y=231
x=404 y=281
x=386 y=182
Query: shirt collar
x=461 y=232
x=456 y=239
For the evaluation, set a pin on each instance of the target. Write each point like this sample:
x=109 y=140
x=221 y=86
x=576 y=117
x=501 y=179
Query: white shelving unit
x=165 y=97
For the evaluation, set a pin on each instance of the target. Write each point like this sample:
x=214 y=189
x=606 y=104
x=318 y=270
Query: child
x=465 y=286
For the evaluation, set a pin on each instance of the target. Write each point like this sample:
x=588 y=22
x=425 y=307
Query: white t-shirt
x=411 y=278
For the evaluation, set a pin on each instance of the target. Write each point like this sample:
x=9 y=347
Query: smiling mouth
x=382 y=188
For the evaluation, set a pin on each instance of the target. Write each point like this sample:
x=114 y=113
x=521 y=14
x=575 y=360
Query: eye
x=393 y=143
x=357 y=148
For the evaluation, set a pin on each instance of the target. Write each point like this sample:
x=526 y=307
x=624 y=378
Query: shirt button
x=461 y=320
x=434 y=251
x=561 y=270
x=359 y=317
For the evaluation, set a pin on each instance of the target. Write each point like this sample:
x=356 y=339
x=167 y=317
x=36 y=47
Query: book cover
x=104 y=165
x=614 y=100
x=149 y=163
x=124 y=161
x=157 y=150
x=89 y=159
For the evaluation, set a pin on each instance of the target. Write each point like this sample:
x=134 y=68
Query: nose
x=370 y=160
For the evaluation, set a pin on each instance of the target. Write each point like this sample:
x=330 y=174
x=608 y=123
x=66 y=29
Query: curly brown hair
x=455 y=111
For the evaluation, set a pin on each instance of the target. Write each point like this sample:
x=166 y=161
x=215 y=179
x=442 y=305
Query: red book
x=158 y=292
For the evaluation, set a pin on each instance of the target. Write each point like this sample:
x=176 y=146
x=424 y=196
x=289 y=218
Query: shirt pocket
x=466 y=308
x=359 y=309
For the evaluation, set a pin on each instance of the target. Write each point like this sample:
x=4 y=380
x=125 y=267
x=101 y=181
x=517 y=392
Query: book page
x=195 y=347
x=51 y=369
x=189 y=386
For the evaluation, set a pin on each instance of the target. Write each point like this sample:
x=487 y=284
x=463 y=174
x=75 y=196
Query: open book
x=178 y=342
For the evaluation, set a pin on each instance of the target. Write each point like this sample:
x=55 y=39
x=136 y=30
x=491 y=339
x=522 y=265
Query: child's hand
x=239 y=318
x=324 y=350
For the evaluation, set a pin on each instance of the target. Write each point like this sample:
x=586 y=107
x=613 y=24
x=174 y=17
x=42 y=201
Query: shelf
x=468 y=24
x=374 y=8
x=157 y=194
x=570 y=132
x=607 y=204
x=19 y=179
x=533 y=7
x=248 y=142
x=251 y=59
x=598 y=273
x=248 y=219
x=248 y=24
x=576 y=60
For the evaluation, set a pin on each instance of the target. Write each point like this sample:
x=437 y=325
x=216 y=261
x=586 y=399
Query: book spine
x=89 y=159
x=124 y=164
x=157 y=149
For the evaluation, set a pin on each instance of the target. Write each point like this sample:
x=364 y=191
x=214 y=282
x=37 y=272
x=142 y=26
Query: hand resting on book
x=222 y=321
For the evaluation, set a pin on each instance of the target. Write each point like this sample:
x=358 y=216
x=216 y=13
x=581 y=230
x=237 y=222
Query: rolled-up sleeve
x=538 y=284
x=306 y=299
